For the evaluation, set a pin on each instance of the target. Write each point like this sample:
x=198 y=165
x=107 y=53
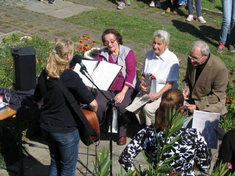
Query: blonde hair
x=172 y=98
x=58 y=61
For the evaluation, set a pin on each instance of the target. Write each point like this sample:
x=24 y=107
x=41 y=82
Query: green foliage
x=222 y=169
x=17 y=40
x=227 y=121
x=103 y=164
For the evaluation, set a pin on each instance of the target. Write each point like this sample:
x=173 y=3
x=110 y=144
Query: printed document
x=206 y=122
x=138 y=103
x=102 y=73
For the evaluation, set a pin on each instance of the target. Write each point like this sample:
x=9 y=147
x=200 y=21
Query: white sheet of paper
x=206 y=122
x=103 y=73
x=139 y=103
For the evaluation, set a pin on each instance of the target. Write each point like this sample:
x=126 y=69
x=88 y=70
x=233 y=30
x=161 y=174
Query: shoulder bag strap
x=73 y=103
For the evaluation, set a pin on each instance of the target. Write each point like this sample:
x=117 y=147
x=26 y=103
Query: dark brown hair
x=115 y=33
x=172 y=98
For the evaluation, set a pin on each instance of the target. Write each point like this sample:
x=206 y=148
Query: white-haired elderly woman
x=163 y=65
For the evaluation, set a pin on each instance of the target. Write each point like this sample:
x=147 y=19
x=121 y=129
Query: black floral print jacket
x=189 y=149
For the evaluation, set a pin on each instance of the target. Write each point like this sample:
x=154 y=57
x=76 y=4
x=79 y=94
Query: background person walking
x=228 y=8
x=198 y=10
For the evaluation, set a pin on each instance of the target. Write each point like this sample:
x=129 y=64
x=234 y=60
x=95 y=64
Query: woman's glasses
x=110 y=42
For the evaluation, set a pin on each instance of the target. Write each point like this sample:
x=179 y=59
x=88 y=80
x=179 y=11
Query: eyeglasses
x=108 y=42
x=195 y=58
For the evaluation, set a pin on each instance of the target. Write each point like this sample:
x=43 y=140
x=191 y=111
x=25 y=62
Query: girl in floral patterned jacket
x=190 y=149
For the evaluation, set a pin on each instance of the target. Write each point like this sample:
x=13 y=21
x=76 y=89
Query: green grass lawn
x=138 y=29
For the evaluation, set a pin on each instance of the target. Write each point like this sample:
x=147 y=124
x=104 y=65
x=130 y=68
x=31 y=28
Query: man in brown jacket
x=206 y=80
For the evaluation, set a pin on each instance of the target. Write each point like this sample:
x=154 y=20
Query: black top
x=56 y=113
x=227 y=149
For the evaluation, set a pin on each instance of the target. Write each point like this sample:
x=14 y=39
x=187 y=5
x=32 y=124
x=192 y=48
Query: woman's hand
x=154 y=96
x=119 y=97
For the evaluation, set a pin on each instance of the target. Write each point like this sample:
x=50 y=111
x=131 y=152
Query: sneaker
x=128 y=2
x=168 y=10
x=51 y=1
x=158 y=4
x=201 y=20
x=231 y=48
x=152 y=4
x=220 y=47
x=189 y=18
x=121 y=5
x=175 y=11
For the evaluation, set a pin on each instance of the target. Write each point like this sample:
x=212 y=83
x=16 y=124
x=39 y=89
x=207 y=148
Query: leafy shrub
x=17 y=40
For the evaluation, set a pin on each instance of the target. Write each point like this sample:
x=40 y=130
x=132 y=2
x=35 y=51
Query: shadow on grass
x=203 y=32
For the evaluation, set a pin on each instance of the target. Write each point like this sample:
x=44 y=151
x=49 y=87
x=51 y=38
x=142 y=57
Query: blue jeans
x=198 y=7
x=228 y=7
x=63 y=151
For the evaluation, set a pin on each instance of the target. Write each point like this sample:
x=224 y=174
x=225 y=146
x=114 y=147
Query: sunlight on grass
x=136 y=29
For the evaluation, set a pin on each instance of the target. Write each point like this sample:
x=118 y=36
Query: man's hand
x=185 y=94
x=190 y=107
x=220 y=133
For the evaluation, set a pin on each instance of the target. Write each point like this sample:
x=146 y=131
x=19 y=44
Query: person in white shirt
x=163 y=65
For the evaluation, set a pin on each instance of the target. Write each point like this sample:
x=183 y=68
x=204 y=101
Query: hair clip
x=54 y=51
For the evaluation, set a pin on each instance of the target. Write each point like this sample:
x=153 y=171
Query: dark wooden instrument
x=86 y=138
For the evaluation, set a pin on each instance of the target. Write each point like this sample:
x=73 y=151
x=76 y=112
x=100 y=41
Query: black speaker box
x=25 y=68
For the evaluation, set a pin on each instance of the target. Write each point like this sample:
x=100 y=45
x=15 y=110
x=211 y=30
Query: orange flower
x=232 y=99
x=83 y=37
x=84 y=49
x=86 y=45
x=39 y=60
x=227 y=99
x=93 y=42
x=80 y=42
x=80 y=48
x=88 y=37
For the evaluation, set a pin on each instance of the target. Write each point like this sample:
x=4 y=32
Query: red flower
x=230 y=166
x=233 y=81
x=227 y=99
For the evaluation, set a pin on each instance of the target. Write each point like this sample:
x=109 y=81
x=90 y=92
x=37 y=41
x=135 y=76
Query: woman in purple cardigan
x=122 y=88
